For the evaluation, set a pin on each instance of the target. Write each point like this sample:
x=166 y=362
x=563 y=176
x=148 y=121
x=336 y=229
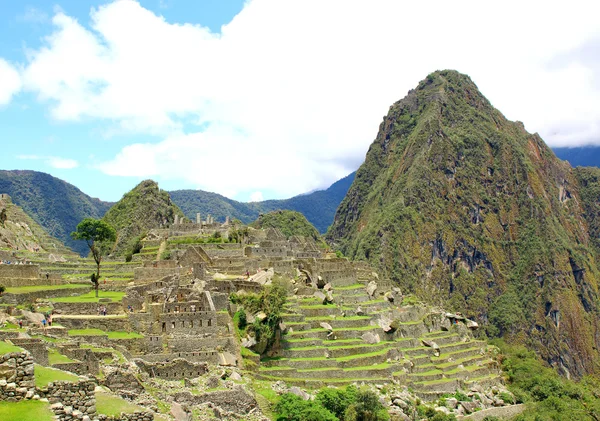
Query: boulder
x=371 y=338
x=327 y=286
x=235 y=376
x=329 y=297
x=360 y=311
x=471 y=324
x=326 y=326
x=227 y=359
x=322 y=297
x=389 y=296
x=386 y=324
x=261 y=315
x=371 y=288
x=469 y=407
x=451 y=403
x=299 y=392
x=320 y=282
x=249 y=342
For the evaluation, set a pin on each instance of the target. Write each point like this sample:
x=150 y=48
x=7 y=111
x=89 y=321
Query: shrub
x=366 y=408
x=293 y=408
x=337 y=401
x=165 y=255
x=2 y=289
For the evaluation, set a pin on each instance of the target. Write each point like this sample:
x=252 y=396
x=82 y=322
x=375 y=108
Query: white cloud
x=256 y=197
x=53 y=161
x=290 y=95
x=10 y=82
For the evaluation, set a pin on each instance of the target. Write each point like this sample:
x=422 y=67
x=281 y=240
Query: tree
x=94 y=232
x=3 y=216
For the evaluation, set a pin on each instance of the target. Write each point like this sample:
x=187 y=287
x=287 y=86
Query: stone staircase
x=312 y=356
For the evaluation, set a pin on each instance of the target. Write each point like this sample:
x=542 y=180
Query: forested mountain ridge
x=318 y=207
x=465 y=208
x=53 y=203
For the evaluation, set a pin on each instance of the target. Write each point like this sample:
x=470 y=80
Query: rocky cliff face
x=145 y=207
x=463 y=207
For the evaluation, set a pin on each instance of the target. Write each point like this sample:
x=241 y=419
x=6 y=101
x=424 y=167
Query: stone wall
x=72 y=400
x=19 y=272
x=100 y=322
x=174 y=370
x=83 y=368
x=151 y=273
x=195 y=357
x=87 y=308
x=188 y=323
x=36 y=347
x=30 y=297
x=17 y=379
x=200 y=344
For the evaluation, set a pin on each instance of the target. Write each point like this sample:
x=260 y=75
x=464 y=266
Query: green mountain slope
x=319 y=207
x=54 y=204
x=145 y=207
x=18 y=232
x=463 y=207
x=288 y=222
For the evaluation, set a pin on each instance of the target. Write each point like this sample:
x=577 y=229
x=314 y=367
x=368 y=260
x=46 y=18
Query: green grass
x=124 y=335
x=113 y=405
x=98 y=332
x=86 y=332
x=25 y=411
x=45 y=375
x=5 y=348
x=54 y=357
x=90 y=297
x=35 y=288
x=9 y=326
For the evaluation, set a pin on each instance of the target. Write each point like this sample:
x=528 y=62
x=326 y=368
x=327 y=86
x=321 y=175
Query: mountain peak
x=461 y=206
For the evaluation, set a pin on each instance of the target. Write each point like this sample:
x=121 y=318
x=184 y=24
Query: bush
x=242 y=320
x=2 y=289
x=293 y=408
x=366 y=408
x=165 y=255
x=337 y=401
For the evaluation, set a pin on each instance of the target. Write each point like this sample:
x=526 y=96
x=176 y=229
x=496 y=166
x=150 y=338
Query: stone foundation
x=71 y=401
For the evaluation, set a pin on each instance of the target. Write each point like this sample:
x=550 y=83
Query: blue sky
x=269 y=98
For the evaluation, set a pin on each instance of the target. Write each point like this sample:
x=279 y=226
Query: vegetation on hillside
x=551 y=397
x=54 y=204
x=318 y=207
x=143 y=208
x=290 y=223
x=465 y=208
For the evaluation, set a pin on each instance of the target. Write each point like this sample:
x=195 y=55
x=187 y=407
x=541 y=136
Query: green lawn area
x=54 y=357
x=90 y=297
x=98 y=332
x=5 y=348
x=9 y=326
x=113 y=405
x=45 y=375
x=23 y=290
x=86 y=332
x=25 y=411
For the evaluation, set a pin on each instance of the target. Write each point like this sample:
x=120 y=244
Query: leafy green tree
x=293 y=408
x=2 y=289
x=337 y=400
x=94 y=232
x=3 y=216
x=366 y=408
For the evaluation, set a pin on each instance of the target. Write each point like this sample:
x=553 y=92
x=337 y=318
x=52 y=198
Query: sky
x=266 y=99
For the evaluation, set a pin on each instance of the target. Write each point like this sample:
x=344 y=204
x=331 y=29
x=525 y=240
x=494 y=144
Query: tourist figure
x=44 y=323
x=20 y=324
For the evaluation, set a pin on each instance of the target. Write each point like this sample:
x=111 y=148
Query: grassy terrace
x=36 y=288
x=45 y=375
x=5 y=348
x=340 y=359
x=113 y=405
x=90 y=297
x=26 y=410
x=54 y=357
x=98 y=332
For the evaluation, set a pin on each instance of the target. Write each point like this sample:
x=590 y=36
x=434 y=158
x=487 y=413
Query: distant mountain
x=53 y=203
x=585 y=156
x=143 y=208
x=318 y=207
x=464 y=208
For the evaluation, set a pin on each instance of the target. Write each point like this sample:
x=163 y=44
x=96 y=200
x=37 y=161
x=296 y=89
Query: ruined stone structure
x=17 y=380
